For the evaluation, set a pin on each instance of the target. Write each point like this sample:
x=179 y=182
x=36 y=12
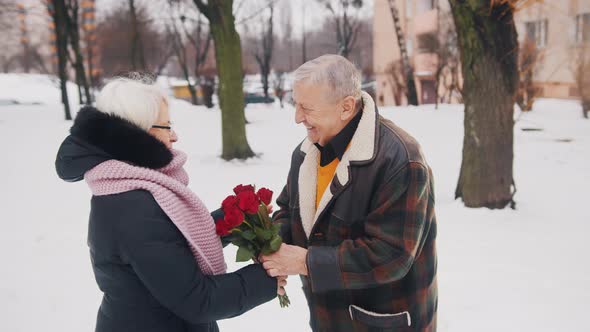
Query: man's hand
x=288 y=260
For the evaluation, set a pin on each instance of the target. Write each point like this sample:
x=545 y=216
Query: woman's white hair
x=134 y=99
x=335 y=71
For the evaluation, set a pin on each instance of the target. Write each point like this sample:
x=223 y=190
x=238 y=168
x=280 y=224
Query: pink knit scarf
x=168 y=185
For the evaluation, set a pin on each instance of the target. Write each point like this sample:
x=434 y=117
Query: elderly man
x=357 y=213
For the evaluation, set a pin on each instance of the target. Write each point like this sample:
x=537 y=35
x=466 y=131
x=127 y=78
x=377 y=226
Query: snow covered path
x=511 y=270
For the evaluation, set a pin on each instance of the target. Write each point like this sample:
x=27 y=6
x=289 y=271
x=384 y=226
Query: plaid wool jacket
x=371 y=241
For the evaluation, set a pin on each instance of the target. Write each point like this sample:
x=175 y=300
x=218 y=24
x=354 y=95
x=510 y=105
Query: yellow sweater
x=325 y=175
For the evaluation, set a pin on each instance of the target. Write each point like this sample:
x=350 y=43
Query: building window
x=583 y=28
x=427 y=42
x=425 y=5
x=537 y=32
x=408 y=8
x=409 y=46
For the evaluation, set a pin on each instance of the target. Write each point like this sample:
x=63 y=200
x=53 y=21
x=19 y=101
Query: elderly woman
x=153 y=246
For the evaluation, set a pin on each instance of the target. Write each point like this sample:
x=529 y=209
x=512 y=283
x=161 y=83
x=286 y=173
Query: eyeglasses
x=162 y=127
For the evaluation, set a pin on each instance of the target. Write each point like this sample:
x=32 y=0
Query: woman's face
x=164 y=135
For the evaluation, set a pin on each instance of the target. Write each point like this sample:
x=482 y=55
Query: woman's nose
x=173 y=136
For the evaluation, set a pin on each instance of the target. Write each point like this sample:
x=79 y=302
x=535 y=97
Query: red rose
x=233 y=217
x=222 y=228
x=241 y=188
x=265 y=195
x=229 y=203
x=248 y=202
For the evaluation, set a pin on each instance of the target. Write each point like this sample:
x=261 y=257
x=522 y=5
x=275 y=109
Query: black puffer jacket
x=141 y=261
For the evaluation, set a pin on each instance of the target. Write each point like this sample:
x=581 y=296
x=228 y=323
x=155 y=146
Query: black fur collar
x=120 y=138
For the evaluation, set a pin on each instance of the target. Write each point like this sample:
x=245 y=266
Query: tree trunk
x=79 y=85
x=59 y=14
x=489 y=57
x=184 y=67
x=265 y=74
x=344 y=51
x=437 y=76
x=90 y=59
x=137 y=58
x=411 y=93
x=79 y=64
x=267 y=51
x=63 y=80
x=73 y=29
x=26 y=55
x=228 y=55
x=180 y=50
x=191 y=87
x=193 y=92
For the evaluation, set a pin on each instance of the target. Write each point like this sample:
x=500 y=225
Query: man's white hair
x=135 y=99
x=335 y=71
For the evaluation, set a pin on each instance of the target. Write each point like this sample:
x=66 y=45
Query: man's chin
x=312 y=138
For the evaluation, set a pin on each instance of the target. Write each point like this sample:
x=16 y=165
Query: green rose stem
x=259 y=236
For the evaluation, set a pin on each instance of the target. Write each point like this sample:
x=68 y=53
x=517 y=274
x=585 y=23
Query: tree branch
x=203 y=55
x=203 y=8
x=270 y=3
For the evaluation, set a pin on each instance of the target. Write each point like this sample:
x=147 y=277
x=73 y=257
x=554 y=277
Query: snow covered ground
x=510 y=270
x=33 y=89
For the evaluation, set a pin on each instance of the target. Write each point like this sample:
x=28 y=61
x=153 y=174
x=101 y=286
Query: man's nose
x=299 y=116
x=173 y=136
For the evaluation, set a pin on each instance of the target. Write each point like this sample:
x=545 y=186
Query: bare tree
x=200 y=40
x=529 y=57
x=179 y=47
x=320 y=40
x=114 y=45
x=444 y=44
x=9 y=41
x=303 y=34
x=191 y=41
x=59 y=12
x=24 y=38
x=264 y=50
x=362 y=54
x=346 y=26
x=581 y=70
x=6 y=61
x=19 y=50
x=88 y=24
x=287 y=28
x=395 y=78
x=38 y=61
x=228 y=55
x=162 y=62
x=8 y=9
x=73 y=29
x=137 y=52
x=279 y=86
x=489 y=56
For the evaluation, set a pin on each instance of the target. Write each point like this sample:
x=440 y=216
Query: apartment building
x=558 y=28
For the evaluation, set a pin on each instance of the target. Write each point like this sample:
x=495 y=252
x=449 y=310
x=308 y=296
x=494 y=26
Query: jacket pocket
x=383 y=321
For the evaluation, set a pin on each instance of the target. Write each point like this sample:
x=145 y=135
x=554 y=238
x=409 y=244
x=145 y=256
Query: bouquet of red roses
x=247 y=224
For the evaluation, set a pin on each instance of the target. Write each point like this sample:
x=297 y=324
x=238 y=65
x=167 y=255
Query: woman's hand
x=281 y=283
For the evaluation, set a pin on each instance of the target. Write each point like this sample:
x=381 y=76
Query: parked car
x=257 y=98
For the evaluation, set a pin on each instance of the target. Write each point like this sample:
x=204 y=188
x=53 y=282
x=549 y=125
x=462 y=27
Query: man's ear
x=348 y=108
